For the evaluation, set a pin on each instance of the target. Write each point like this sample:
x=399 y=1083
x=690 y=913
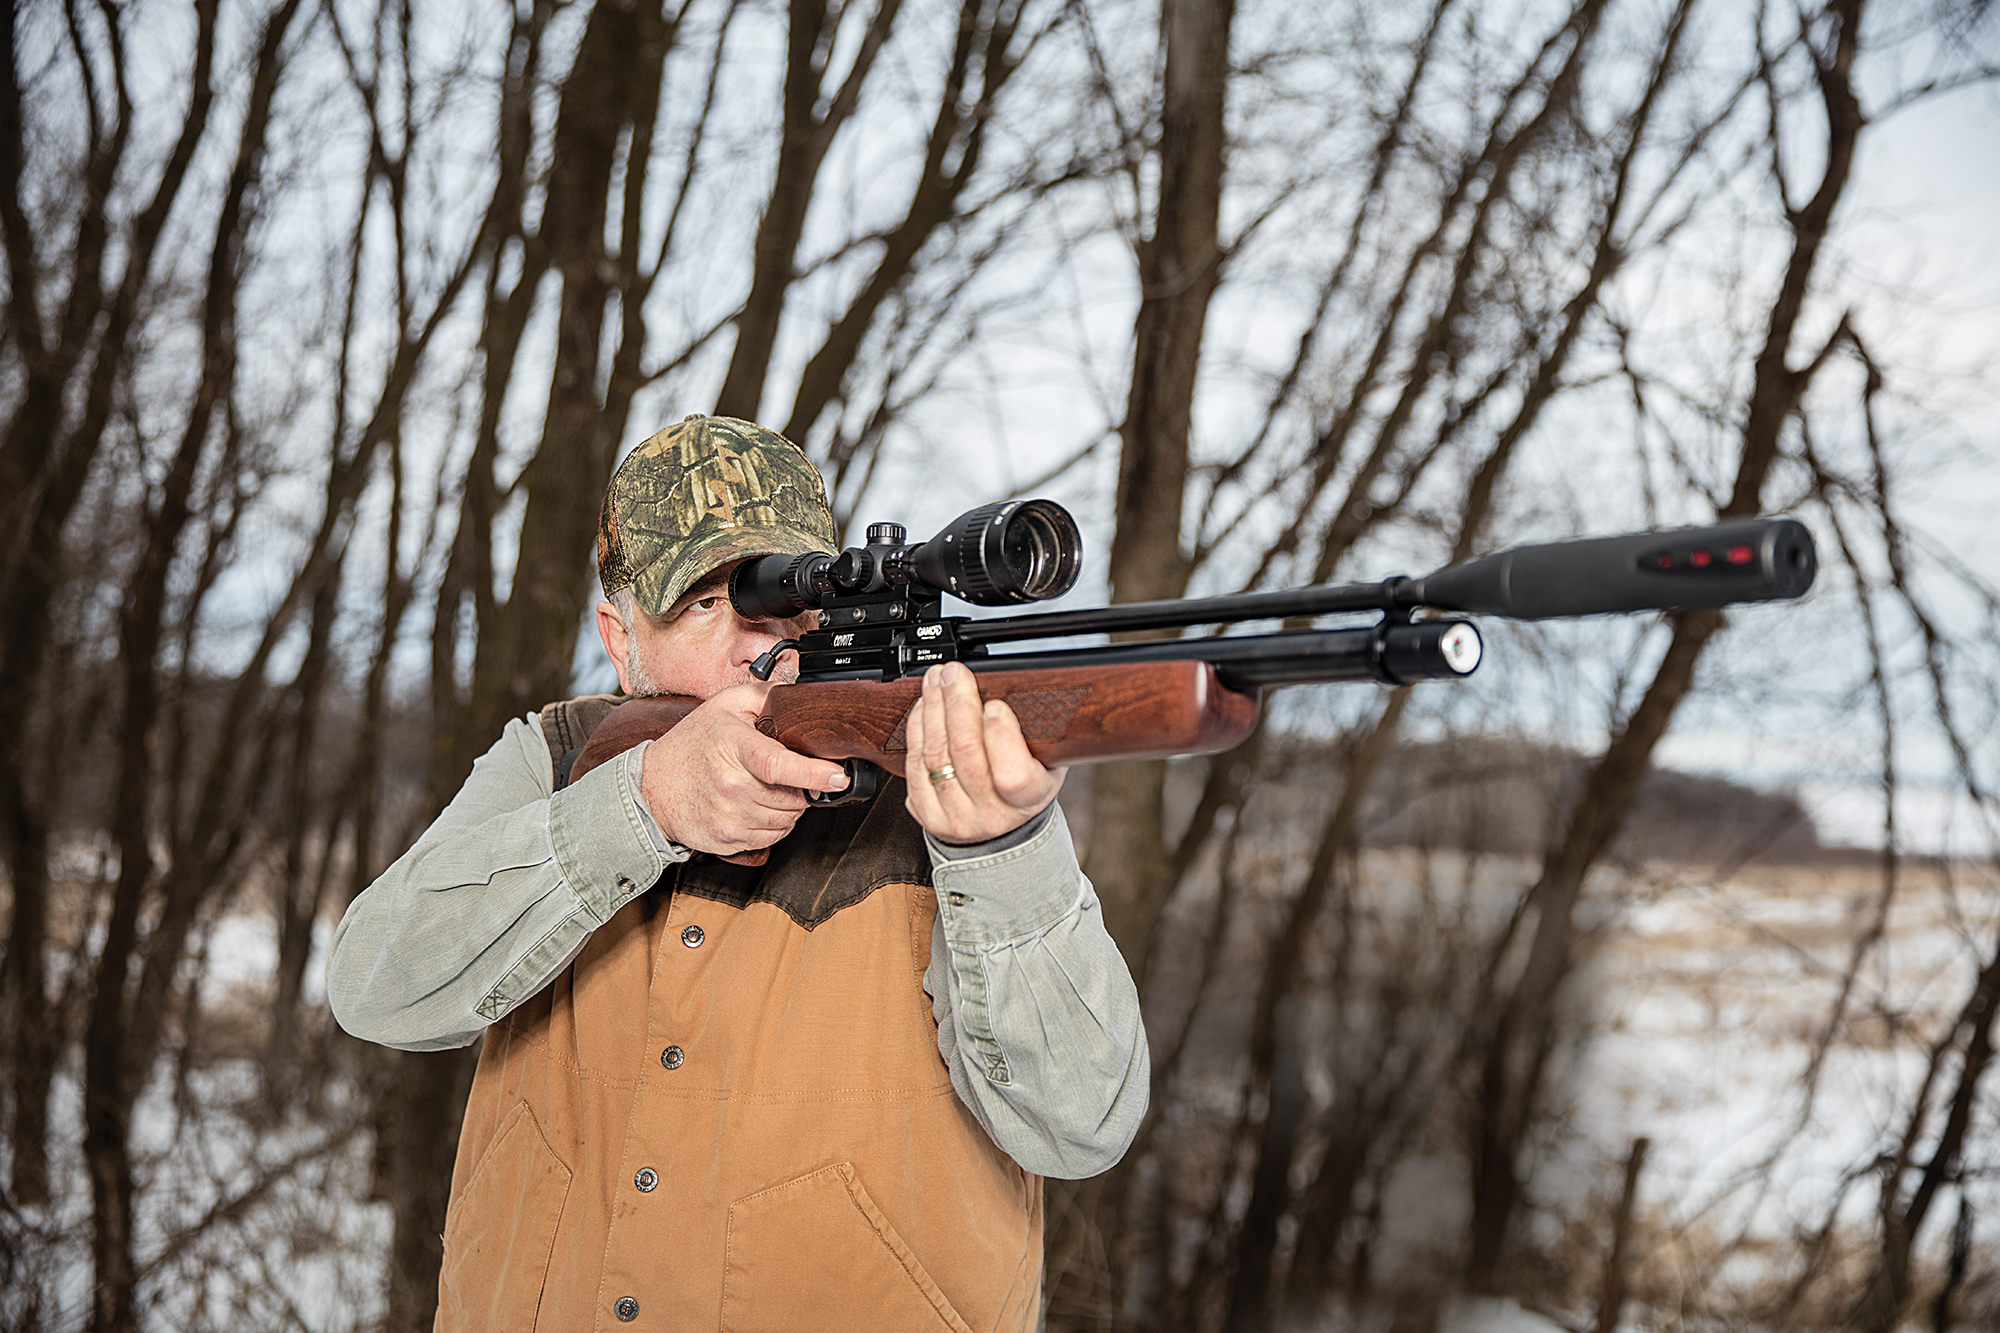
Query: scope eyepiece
x=778 y=587
x=999 y=554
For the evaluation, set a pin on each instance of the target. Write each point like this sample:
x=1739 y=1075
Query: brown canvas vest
x=729 y=1113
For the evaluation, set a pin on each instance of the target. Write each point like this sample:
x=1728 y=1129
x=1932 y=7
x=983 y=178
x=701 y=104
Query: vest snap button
x=646 y=1179
x=692 y=937
x=627 y=1309
x=673 y=1057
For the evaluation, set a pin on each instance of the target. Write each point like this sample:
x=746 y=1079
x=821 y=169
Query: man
x=814 y=1093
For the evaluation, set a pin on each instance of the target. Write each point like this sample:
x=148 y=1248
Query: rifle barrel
x=1752 y=560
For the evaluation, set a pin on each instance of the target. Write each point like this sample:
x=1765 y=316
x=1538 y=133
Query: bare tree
x=1516 y=1047
x=76 y=348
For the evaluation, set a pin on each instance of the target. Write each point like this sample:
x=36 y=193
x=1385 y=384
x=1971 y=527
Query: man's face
x=700 y=646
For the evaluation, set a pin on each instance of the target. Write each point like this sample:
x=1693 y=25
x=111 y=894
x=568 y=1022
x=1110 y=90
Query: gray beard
x=646 y=685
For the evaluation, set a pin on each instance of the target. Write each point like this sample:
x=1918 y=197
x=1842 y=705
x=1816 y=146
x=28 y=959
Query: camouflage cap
x=703 y=493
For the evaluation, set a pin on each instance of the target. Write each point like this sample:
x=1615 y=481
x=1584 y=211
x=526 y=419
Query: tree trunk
x=805 y=136
x=416 y=1138
x=527 y=644
x=42 y=474
x=300 y=886
x=114 y=1064
x=1276 y=1063
x=24 y=1005
x=1515 y=1054
x=524 y=658
x=1612 y=1302
x=1891 y=1285
x=1179 y=267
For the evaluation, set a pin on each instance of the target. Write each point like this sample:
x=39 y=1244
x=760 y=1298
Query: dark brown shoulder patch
x=832 y=859
x=567 y=725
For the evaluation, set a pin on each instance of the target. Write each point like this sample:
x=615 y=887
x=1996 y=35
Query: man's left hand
x=994 y=785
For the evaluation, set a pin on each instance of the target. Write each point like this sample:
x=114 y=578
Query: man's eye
x=708 y=603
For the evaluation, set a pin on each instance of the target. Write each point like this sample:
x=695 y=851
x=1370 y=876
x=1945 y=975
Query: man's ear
x=611 y=629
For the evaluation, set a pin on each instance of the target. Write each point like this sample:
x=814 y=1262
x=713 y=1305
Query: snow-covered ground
x=1496 y=1316
x=1717 y=1007
x=1708 y=1003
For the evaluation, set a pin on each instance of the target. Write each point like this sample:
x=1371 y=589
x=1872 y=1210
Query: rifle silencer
x=1753 y=560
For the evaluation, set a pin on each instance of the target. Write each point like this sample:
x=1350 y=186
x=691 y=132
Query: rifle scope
x=995 y=555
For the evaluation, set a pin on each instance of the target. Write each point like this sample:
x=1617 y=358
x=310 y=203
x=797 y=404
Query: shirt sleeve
x=497 y=897
x=1038 y=1019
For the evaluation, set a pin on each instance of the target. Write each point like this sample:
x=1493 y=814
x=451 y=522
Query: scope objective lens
x=1032 y=551
x=999 y=554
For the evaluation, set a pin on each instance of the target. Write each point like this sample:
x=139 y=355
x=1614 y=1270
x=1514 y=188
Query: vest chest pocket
x=816 y=1252
x=502 y=1230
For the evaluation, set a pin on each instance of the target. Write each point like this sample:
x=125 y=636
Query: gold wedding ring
x=945 y=774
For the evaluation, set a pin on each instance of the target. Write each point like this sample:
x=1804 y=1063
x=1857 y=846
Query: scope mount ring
x=1378 y=641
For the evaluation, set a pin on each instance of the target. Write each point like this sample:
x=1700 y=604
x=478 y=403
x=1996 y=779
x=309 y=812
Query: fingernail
x=836 y=782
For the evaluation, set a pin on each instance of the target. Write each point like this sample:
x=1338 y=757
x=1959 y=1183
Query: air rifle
x=881 y=626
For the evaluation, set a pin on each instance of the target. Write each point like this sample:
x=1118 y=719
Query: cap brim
x=659 y=587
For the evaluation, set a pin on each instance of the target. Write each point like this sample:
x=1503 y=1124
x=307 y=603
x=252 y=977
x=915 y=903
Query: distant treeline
x=1503 y=794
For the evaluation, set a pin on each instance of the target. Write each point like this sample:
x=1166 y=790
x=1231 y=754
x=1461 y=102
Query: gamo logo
x=843 y=640
x=929 y=631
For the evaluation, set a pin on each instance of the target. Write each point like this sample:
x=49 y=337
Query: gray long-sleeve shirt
x=1038 y=1020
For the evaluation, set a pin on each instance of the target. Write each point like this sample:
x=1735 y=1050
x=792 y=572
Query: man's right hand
x=717 y=784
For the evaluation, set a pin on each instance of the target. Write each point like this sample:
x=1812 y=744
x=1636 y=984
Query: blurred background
x=1645 y=980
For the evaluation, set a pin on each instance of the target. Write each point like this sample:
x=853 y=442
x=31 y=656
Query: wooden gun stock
x=1070 y=715
x=628 y=724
